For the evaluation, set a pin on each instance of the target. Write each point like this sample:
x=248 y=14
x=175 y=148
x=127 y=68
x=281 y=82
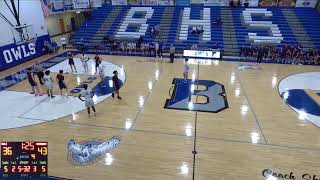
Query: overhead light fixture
x=78 y=12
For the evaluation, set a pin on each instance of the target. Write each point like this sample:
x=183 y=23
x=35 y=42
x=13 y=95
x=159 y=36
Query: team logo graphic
x=89 y=152
x=300 y=92
x=198 y=95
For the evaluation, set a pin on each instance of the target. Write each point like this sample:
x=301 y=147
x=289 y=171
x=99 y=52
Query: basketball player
x=87 y=94
x=84 y=59
x=71 y=62
x=33 y=83
x=186 y=70
x=48 y=83
x=62 y=85
x=98 y=62
x=116 y=84
x=37 y=68
x=101 y=74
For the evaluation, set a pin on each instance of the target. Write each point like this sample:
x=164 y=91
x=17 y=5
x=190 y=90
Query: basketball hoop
x=24 y=34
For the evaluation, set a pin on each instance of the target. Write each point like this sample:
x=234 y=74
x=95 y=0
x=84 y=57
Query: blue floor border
x=19 y=76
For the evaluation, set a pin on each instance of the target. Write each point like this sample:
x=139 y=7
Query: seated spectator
x=217 y=21
x=246 y=3
x=106 y=39
x=199 y=29
x=238 y=3
x=232 y=4
x=194 y=30
x=194 y=47
x=215 y=46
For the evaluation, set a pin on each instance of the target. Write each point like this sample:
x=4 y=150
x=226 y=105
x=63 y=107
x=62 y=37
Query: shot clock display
x=24 y=159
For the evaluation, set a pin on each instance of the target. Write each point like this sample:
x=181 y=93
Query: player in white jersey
x=186 y=70
x=84 y=59
x=102 y=74
x=88 y=94
x=48 y=83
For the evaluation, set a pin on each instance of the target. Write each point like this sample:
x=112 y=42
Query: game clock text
x=24 y=159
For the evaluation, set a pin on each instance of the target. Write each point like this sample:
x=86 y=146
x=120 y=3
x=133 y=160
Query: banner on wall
x=68 y=5
x=267 y=2
x=306 y=3
x=287 y=3
x=216 y=3
x=134 y=2
x=13 y=54
x=253 y=3
x=157 y=2
x=96 y=3
x=119 y=2
x=56 y=5
x=81 y=4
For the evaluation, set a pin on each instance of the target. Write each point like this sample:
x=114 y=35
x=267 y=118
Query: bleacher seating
x=240 y=27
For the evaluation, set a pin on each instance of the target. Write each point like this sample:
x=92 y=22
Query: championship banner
x=81 y=4
x=96 y=3
x=252 y=3
x=68 y=5
x=119 y=2
x=306 y=3
x=134 y=2
x=150 y=2
x=267 y=3
x=287 y=3
x=56 y=5
x=216 y=2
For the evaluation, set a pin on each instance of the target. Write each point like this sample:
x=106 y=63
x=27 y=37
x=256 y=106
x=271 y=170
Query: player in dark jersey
x=62 y=85
x=33 y=83
x=116 y=84
x=97 y=59
x=71 y=62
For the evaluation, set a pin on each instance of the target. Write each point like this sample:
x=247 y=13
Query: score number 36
x=7 y=151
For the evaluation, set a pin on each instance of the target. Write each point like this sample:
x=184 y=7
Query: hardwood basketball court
x=257 y=133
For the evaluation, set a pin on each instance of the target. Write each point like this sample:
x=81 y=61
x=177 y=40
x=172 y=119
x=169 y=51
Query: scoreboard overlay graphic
x=24 y=159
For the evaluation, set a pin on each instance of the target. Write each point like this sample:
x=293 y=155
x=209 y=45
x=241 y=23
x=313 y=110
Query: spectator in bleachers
x=194 y=30
x=122 y=47
x=286 y=54
x=106 y=39
x=160 y=49
x=151 y=49
x=238 y=3
x=63 y=42
x=156 y=48
x=194 y=47
x=217 y=21
x=232 y=4
x=172 y=51
x=260 y=55
x=215 y=46
x=199 y=29
x=114 y=47
x=318 y=57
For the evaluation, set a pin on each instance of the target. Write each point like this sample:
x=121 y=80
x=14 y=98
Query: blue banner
x=13 y=54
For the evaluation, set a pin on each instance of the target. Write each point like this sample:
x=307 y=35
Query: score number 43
x=7 y=151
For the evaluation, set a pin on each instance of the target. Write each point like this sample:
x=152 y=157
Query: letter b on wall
x=140 y=23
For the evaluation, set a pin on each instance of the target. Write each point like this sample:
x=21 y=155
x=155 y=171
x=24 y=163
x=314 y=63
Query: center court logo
x=89 y=152
x=199 y=95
